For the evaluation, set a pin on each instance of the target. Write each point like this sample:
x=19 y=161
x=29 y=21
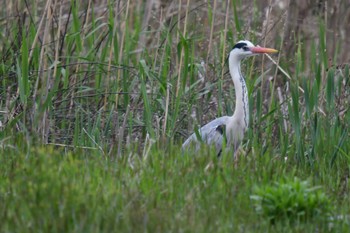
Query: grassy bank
x=47 y=190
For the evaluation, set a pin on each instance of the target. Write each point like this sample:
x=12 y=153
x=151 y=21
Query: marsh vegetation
x=96 y=98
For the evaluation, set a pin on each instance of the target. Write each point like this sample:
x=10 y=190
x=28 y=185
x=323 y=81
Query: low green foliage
x=49 y=190
x=291 y=201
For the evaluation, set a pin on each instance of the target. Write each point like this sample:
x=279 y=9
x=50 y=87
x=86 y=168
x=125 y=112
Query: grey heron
x=230 y=128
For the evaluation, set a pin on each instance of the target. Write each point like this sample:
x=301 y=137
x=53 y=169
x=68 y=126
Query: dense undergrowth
x=49 y=190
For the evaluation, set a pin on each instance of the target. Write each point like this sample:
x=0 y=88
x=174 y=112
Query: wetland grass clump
x=291 y=200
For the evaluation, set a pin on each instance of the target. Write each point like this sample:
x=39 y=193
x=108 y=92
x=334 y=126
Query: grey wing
x=211 y=134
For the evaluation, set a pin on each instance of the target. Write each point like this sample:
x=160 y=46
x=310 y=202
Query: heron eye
x=245 y=48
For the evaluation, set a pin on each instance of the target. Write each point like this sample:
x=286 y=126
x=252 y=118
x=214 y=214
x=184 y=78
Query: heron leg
x=236 y=153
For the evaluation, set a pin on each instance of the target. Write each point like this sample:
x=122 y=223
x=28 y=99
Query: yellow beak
x=262 y=50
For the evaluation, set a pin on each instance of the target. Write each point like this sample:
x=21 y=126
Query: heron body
x=231 y=128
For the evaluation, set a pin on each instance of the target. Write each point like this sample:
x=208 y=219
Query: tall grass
x=80 y=71
x=82 y=75
x=78 y=191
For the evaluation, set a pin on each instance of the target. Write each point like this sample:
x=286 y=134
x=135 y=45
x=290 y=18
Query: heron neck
x=242 y=109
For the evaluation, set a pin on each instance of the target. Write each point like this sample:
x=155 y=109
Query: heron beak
x=262 y=50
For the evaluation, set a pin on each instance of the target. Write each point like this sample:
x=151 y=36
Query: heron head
x=245 y=48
